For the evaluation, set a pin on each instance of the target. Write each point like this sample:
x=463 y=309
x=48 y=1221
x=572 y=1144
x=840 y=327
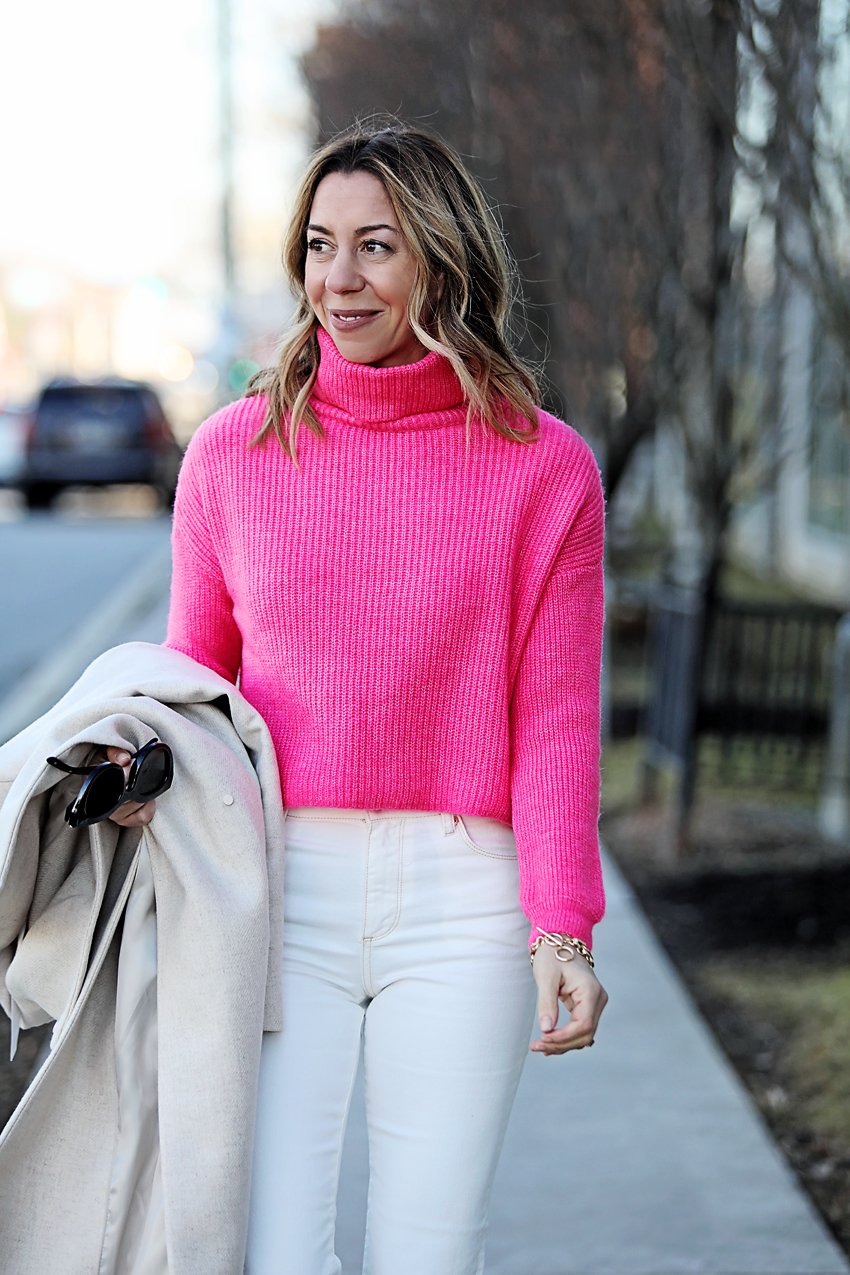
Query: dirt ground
x=756 y=916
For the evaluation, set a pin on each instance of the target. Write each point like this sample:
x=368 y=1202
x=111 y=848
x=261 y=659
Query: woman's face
x=359 y=271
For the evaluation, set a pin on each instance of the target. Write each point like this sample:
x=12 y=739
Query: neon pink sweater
x=420 y=627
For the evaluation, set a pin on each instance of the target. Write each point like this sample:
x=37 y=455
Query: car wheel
x=39 y=495
x=166 y=494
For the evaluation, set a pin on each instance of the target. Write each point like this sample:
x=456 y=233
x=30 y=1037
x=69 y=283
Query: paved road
x=57 y=570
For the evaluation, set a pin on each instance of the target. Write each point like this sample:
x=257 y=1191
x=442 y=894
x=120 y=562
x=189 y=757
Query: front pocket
x=490 y=837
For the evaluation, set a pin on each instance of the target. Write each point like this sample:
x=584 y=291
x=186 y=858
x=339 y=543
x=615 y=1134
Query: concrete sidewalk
x=671 y=1170
x=643 y=1156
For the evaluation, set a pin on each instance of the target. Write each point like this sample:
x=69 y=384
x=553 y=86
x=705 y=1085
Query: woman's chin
x=359 y=345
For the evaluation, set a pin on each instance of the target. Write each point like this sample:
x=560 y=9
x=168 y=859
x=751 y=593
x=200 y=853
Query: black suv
x=95 y=433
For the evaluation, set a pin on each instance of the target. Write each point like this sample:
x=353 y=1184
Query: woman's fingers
x=118 y=755
x=134 y=814
x=547 y=1004
x=579 y=1033
x=573 y=984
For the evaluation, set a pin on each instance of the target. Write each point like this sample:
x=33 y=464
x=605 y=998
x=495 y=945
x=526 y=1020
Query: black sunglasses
x=104 y=789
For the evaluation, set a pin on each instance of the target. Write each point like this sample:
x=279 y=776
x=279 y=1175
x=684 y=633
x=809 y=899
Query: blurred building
x=798 y=528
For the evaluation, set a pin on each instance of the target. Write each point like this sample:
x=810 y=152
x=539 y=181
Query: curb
x=44 y=684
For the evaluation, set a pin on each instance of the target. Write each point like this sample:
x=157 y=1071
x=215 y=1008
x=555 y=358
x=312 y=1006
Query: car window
x=113 y=405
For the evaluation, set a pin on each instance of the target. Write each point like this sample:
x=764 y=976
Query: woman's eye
x=375 y=248
x=317 y=245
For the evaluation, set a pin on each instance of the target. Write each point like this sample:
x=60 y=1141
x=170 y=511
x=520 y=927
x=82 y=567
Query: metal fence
x=765 y=692
x=743 y=693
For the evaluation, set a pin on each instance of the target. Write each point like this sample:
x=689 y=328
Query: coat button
x=228 y=800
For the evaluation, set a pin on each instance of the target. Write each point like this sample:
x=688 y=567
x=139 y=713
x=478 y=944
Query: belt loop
x=448 y=823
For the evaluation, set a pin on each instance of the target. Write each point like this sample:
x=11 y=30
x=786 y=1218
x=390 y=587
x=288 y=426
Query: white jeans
x=405 y=926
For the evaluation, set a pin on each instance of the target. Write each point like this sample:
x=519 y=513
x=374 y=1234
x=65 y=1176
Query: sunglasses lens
x=154 y=775
x=103 y=793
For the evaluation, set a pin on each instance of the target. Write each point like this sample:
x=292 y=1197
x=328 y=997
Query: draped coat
x=155 y=953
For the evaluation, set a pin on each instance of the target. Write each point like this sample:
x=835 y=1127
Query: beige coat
x=214 y=854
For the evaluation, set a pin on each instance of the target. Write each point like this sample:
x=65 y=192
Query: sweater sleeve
x=555 y=736
x=200 y=616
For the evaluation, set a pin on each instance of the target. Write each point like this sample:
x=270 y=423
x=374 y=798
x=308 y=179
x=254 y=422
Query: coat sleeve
x=555 y=736
x=200 y=617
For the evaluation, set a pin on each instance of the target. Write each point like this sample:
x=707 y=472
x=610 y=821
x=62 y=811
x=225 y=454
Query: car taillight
x=28 y=433
x=155 y=431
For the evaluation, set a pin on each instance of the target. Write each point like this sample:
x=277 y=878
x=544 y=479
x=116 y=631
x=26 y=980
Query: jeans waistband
x=338 y=814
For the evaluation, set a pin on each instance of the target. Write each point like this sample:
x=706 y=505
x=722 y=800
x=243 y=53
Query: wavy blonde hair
x=455 y=239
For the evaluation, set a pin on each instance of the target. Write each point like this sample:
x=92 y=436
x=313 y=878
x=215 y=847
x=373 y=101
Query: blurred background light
x=176 y=363
x=241 y=373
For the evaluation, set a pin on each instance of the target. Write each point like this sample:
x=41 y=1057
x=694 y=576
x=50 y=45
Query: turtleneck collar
x=411 y=396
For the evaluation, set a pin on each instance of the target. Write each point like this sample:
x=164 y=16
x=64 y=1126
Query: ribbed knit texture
x=419 y=624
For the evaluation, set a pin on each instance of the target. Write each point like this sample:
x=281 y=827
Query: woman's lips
x=348 y=320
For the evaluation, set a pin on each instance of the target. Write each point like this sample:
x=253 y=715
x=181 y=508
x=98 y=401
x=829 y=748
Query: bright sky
x=109 y=137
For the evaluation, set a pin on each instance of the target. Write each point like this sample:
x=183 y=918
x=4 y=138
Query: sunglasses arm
x=71 y=770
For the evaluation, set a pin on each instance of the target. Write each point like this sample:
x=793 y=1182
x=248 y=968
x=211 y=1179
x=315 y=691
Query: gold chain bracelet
x=565 y=946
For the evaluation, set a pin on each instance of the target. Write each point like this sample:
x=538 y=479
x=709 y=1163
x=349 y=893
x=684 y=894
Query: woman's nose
x=343 y=275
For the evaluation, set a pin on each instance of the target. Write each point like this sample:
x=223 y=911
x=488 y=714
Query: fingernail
x=123 y=759
x=546 y=1023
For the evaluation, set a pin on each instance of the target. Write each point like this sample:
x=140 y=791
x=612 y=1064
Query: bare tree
x=559 y=110
x=613 y=137
x=798 y=53
x=760 y=81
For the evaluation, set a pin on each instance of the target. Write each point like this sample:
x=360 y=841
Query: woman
x=400 y=556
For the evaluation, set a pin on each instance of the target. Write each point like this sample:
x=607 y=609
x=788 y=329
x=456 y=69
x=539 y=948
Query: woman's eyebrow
x=361 y=230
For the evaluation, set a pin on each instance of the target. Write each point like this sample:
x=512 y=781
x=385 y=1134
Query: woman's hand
x=133 y=814
x=575 y=984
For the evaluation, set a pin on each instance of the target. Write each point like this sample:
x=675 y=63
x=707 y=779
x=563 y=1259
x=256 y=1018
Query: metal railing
x=754 y=679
